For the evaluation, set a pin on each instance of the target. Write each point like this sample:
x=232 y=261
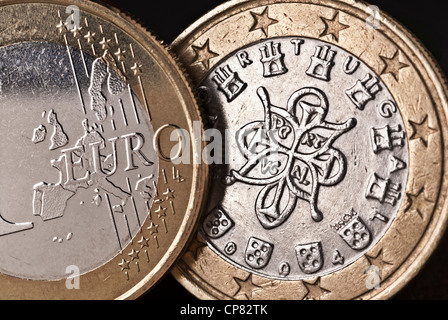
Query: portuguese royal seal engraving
x=310 y=157
x=311 y=137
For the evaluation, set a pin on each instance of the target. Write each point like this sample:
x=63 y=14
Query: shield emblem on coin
x=258 y=253
x=356 y=234
x=217 y=223
x=310 y=257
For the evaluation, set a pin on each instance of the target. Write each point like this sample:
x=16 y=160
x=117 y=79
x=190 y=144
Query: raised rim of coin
x=422 y=217
x=118 y=278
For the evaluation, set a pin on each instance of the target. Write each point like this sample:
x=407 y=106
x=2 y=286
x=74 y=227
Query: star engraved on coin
x=203 y=55
x=124 y=264
x=378 y=261
x=421 y=131
x=161 y=212
x=393 y=65
x=136 y=69
x=153 y=228
x=333 y=27
x=76 y=32
x=315 y=291
x=120 y=54
x=143 y=242
x=415 y=201
x=105 y=43
x=90 y=37
x=262 y=21
x=246 y=287
x=134 y=255
x=196 y=246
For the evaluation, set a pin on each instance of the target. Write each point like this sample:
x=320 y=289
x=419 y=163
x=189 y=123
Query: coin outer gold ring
x=170 y=101
x=421 y=93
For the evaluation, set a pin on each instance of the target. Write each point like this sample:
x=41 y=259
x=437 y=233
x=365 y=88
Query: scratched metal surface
x=53 y=179
x=423 y=20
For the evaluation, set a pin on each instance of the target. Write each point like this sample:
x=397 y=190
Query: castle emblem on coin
x=314 y=145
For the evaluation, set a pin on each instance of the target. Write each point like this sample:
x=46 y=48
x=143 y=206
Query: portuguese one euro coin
x=330 y=181
x=91 y=204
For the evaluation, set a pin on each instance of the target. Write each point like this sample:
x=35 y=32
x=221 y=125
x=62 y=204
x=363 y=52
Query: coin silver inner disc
x=316 y=158
x=77 y=161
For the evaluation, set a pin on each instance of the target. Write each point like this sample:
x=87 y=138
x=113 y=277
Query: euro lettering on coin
x=330 y=182
x=91 y=206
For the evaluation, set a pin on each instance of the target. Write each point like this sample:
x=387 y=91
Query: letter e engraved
x=321 y=63
x=70 y=165
x=73 y=281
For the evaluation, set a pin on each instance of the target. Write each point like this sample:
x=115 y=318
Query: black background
x=426 y=19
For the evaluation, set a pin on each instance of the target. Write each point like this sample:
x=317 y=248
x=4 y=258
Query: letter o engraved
x=230 y=248
x=182 y=140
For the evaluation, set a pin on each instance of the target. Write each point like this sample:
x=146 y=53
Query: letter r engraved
x=132 y=150
x=243 y=58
